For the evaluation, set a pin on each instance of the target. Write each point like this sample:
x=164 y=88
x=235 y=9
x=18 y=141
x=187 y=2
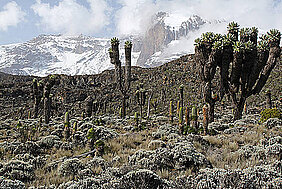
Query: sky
x=22 y=20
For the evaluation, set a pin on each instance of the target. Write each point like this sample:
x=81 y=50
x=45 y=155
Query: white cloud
x=265 y=14
x=186 y=45
x=134 y=16
x=11 y=15
x=70 y=17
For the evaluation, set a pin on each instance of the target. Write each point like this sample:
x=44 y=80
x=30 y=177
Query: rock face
x=162 y=32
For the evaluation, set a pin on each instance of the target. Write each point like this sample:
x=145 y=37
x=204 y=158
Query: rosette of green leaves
x=128 y=44
x=233 y=26
x=245 y=32
x=115 y=41
x=263 y=45
x=217 y=45
x=226 y=40
x=217 y=37
x=264 y=37
x=238 y=47
x=254 y=30
x=274 y=35
x=198 y=42
x=249 y=46
x=91 y=134
x=208 y=37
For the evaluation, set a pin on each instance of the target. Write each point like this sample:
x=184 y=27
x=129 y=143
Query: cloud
x=70 y=17
x=264 y=14
x=11 y=15
x=185 y=45
x=134 y=16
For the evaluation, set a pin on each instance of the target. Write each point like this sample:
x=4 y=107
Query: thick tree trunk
x=209 y=100
x=127 y=67
x=211 y=112
x=88 y=106
x=239 y=110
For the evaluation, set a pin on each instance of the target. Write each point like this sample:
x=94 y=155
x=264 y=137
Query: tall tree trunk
x=209 y=100
x=88 y=106
x=268 y=100
x=47 y=110
x=123 y=106
x=239 y=109
x=141 y=110
x=36 y=103
x=211 y=112
x=149 y=102
x=127 y=68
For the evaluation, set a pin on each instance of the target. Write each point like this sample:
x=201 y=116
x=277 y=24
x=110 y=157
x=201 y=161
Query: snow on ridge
x=58 y=54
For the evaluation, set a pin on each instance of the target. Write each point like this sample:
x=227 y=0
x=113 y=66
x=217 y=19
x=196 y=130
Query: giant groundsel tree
x=244 y=64
x=122 y=80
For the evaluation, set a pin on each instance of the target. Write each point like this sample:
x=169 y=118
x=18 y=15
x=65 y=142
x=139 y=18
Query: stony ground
x=240 y=154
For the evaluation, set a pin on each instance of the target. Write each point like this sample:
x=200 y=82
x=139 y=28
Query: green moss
x=270 y=113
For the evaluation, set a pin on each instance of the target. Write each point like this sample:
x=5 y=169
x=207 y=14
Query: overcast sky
x=21 y=20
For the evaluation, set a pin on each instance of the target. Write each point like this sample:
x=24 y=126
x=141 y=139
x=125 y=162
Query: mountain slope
x=78 y=55
x=50 y=54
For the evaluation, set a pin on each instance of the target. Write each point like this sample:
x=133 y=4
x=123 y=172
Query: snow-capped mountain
x=76 y=55
x=51 y=54
x=170 y=37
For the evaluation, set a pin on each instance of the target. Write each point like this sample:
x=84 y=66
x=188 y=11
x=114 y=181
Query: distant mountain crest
x=78 y=55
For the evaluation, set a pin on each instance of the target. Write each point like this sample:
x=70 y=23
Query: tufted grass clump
x=270 y=113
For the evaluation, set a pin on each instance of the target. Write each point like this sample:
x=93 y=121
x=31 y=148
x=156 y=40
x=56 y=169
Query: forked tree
x=245 y=64
x=123 y=82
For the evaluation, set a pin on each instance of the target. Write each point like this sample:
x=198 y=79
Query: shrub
x=269 y=113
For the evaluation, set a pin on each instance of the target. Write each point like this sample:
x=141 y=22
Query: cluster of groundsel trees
x=244 y=64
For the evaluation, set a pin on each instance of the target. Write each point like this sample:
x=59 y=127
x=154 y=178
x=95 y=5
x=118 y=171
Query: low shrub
x=269 y=113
